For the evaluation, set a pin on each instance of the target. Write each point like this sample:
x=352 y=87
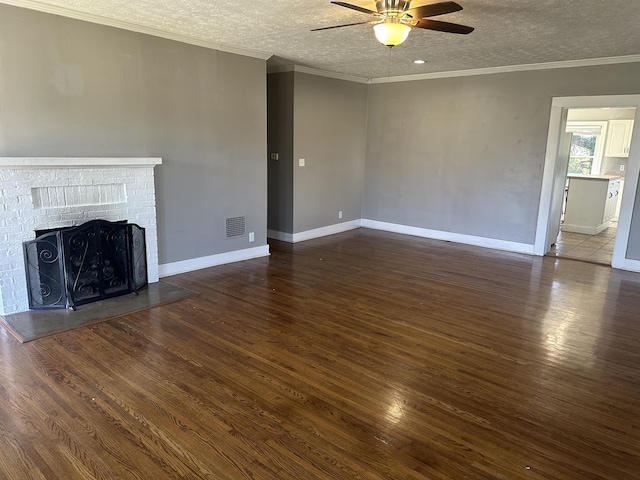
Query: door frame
x=631 y=179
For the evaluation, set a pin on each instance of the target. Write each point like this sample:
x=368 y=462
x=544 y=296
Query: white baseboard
x=566 y=227
x=192 y=264
x=628 y=264
x=184 y=266
x=315 y=233
x=282 y=236
x=451 y=237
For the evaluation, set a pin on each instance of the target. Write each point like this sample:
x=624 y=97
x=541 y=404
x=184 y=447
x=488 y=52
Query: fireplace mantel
x=67 y=162
x=40 y=193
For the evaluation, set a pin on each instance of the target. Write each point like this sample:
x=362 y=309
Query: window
x=587 y=145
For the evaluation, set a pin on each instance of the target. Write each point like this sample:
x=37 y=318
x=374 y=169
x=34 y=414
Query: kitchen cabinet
x=619 y=138
x=591 y=203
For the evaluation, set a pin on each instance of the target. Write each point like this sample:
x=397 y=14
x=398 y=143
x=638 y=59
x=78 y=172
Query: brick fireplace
x=46 y=193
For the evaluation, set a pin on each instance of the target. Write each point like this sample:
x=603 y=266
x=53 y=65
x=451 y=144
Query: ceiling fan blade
x=443 y=26
x=355 y=7
x=434 y=9
x=338 y=26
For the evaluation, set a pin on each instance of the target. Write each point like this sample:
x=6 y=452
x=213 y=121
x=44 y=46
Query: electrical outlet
x=301 y=162
x=340 y=214
x=622 y=168
x=251 y=237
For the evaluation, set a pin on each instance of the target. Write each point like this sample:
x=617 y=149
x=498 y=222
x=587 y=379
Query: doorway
x=555 y=171
x=598 y=156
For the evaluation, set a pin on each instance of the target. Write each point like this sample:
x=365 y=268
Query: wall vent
x=235 y=227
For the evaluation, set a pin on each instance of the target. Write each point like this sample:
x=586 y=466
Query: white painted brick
x=7 y=230
x=64 y=186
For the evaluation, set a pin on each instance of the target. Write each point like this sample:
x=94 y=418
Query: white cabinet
x=591 y=203
x=613 y=196
x=619 y=138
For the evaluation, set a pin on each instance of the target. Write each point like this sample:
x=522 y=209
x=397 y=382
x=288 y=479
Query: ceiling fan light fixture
x=391 y=33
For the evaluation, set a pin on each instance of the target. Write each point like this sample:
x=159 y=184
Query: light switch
x=301 y=162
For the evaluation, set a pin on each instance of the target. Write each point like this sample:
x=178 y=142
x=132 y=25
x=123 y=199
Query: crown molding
x=133 y=27
x=317 y=72
x=589 y=62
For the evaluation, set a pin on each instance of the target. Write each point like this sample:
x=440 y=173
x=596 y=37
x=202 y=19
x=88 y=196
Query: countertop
x=593 y=177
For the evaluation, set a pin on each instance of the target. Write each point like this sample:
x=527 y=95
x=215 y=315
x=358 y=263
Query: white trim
x=631 y=265
x=325 y=231
x=451 y=237
x=192 y=264
x=567 y=227
x=627 y=201
x=66 y=162
x=315 y=71
x=315 y=233
x=133 y=27
x=458 y=73
x=544 y=209
x=597 y=101
x=510 y=68
x=405 y=230
x=282 y=236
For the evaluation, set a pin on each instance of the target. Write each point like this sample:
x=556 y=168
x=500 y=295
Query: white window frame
x=600 y=140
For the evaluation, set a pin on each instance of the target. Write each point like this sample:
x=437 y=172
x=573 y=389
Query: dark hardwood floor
x=363 y=355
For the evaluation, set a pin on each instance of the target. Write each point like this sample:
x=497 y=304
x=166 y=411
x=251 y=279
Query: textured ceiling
x=507 y=32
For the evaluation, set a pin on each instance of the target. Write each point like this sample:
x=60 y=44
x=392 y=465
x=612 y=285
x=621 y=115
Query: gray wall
x=322 y=120
x=330 y=134
x=466 y=155
x=71 y=88
x=280 y=140
x=463 y=155
x=633 y=247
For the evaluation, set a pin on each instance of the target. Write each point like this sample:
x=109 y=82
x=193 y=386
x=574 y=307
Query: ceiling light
x=419 y=62
x=391 y=33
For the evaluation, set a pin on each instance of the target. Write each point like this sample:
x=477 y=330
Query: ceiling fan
x=394 y=19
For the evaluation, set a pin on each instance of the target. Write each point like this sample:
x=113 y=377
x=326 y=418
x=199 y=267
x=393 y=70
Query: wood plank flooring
x=364 y=355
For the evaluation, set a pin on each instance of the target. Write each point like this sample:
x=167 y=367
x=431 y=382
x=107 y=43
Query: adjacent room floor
x=592 y=248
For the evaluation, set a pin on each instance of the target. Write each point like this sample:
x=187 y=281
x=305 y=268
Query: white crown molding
x=315 y=71
x=589 y=62
x=133 y=27
x=459 y=73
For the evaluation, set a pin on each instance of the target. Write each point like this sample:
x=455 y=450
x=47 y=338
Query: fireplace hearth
x=72 y=266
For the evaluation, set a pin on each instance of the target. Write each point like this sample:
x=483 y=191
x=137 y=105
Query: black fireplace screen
x=73 y=266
